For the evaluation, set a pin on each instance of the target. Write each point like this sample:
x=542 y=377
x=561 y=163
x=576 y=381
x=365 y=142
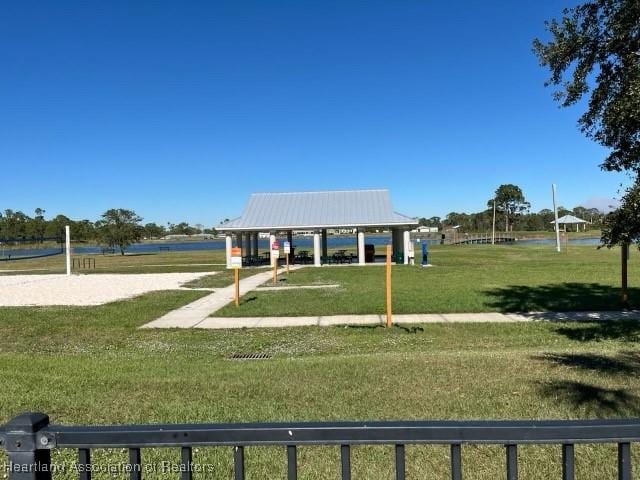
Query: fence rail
x=29 y=438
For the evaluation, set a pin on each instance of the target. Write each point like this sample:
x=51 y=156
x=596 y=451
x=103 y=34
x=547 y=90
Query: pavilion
x=286 y=213
x=571 y=220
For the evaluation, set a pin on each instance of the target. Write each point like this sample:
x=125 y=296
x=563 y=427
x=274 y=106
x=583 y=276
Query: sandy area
x=94 y=289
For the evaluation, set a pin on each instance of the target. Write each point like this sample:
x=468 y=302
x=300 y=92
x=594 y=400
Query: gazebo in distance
x=571 y=220
x=316 y=212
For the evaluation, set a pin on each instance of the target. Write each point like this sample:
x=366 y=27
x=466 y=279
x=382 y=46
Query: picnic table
x=341 y=256
x=303 y=257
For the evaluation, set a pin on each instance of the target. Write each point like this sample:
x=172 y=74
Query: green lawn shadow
x=559 y=297
x=597 y=401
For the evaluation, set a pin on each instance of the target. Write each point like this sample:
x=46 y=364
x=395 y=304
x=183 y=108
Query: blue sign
x=425 y=253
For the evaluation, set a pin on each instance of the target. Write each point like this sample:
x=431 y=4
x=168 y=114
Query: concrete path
x=257 y=322
x=191 y=315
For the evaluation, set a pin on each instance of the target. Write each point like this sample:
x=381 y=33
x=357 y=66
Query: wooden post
x=624 y=251
x=275 y=271
x=388 y=287
x=287 y=255
x=236 y=275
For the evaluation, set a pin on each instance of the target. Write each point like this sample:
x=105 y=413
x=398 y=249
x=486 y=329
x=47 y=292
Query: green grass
x=222 y=279
x=477 y=278
x=92 y=365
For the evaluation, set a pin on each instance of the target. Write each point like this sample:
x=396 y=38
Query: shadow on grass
x=409 y=329
x=395 y=326
x=559 y=297
x=624 y=330
x=627 y=363
x=595 y=400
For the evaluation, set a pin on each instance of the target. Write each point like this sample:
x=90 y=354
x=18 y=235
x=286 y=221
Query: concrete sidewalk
x=191 y=315
x=271 y=322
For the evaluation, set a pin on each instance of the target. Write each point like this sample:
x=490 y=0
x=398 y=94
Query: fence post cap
x=29 y=422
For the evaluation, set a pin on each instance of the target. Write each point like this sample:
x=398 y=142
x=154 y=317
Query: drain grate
x=249 y=356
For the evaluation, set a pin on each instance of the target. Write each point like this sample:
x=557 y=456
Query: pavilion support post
x=248 y=240
x=393 y=242
x=256 y=236
x=228 y=244
x=316 y=249
x=396 y=243
x=406 y=240
x=272 y=239
x=239 y=242
x=324 y=244
x=290 y=240
x=361 y=258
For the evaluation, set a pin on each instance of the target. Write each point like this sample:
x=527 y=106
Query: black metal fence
x=29 y=438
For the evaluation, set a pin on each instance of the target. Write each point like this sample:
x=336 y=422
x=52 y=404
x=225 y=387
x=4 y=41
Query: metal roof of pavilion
x=569 y=219
x=308 y=210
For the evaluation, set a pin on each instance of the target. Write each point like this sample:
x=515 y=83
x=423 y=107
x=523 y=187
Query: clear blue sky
x=179 y=110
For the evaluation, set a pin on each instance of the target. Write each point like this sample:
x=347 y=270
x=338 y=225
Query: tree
x=599 y=40
x=55 y=227
x=510 y=202
x=38 y=224
x=622 y=226
x=182 y=228
x=120 y=228
x=152 y=230
x=83 y=230
x=595 y=50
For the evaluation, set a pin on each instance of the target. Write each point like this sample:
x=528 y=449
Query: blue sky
x=179 y=110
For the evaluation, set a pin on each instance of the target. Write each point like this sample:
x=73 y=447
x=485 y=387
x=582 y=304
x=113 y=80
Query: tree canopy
x=120 y=228
x=510 y=202
x=594 y=48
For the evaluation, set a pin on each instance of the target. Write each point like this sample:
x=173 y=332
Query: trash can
x=369 y=253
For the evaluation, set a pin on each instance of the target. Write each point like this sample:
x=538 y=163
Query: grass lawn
x=475 y=278
x=223 y=279
x=92 y=365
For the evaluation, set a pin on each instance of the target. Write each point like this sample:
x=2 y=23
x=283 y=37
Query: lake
x=346 y=241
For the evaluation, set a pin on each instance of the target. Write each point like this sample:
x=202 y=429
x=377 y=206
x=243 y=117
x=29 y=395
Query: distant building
x=423 y=229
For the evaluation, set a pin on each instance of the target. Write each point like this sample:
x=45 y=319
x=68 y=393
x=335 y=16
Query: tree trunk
x=506 y=222
x=624 y=251
x=121 y=250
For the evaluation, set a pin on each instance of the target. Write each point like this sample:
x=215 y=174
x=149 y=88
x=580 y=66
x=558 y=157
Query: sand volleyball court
x=93 y=289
